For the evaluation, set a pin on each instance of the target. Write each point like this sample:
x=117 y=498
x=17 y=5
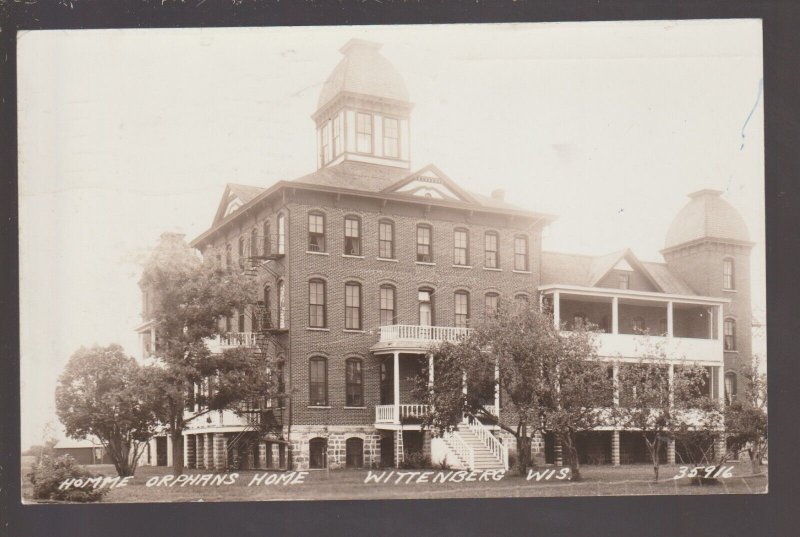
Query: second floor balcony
x=417 y=337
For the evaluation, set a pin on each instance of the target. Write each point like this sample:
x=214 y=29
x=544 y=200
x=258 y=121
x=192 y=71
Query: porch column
x=430 y=370
x=710 y=322
x=169 y=450
x=208 y=454
x=720 y=321
x=671 y=380
x=396 y=380
x=496 y=388
x=615 y=448
x=557 y=309
x=615 y=382
x=721 y=384
x=262 y=455
x=670 y=451
x=557 y=453
x=220 y=451
x=615 y=315
x=199 y=451
x=189 y=450
x=669 y=319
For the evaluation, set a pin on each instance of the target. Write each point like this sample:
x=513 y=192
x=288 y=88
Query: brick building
x=366 y=262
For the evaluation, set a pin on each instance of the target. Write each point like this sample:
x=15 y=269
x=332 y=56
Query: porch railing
x=386 y=413
x=424 y=333
x=494 y=445
x=236 y=339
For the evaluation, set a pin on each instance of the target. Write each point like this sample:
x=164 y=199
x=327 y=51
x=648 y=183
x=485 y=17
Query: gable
x=430 y=182
x=233 y=198
x=608 y=269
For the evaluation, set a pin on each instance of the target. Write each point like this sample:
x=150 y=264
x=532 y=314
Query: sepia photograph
x=392 y=262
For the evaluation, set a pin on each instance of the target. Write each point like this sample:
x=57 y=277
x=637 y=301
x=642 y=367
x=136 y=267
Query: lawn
x=349 y=484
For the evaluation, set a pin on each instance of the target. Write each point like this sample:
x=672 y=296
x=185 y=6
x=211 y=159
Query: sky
x=125 y=134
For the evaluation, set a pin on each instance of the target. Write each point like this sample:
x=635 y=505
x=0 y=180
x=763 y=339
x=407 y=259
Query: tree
x=188 y=299
x=663 y=402
x=102 y=392
x=746 y=420
x=547 y=379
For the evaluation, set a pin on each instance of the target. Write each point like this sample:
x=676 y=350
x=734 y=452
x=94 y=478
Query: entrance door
x=354 y=453
x=387 y=450
x=161 y=451
x=317 y=451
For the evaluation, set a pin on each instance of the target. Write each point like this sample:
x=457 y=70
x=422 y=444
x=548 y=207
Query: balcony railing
x=232 y=340
x=423 y=333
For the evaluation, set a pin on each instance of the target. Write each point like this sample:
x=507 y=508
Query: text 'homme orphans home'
x=366 y=262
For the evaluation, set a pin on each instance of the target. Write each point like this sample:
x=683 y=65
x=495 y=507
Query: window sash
x=461 y=308
x=491 y=303
x=337 y=146
x=387 y=315
x=352 y=236
x=490 y=248
x=391 y=138
x=424 y=244
x=727 y=274
x=318 y=382
x=386 y=240
x=354 y=383
x=363 y=133
x=520 y=253
x=352 y=307
x=461 y=248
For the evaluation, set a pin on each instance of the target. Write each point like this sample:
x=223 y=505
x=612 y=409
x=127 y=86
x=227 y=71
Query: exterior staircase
x=474 y=450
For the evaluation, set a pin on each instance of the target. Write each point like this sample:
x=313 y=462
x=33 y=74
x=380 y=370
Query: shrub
x=51 y=471
x=443 y=464
x=512 y=458
x=415 y=461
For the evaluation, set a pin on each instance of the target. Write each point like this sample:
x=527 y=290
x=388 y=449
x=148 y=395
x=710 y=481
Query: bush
x=443 y=464
x=415 y=461
x=512 y=458
x=51 y=471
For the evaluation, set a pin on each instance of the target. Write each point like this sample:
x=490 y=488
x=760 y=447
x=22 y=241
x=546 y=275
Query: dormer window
x=391 y=137
x=363 y=132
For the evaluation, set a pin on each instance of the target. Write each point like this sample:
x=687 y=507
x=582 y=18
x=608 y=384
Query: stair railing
x=461 y=448
x=498 y=449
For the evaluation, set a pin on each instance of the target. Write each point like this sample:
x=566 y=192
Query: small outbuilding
x=86 y=451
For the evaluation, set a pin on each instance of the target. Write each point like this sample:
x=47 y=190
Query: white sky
x=127 y=133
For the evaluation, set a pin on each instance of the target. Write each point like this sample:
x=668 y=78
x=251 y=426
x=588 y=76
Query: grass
x=349 y=484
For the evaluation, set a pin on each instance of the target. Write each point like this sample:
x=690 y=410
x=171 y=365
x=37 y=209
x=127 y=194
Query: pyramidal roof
x=706 y=215
x=364 y=71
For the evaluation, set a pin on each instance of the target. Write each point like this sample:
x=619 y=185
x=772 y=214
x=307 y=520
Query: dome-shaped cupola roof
x=706 y=216
x=364 y=71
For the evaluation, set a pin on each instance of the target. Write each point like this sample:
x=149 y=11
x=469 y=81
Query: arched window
x=729 y=331
x=638 y=325
x=730 y=387
x=728 y=274
x=267 y=242
x=240 y=324
x=252 y=247
x=317 y=314
x=523 y=298
x=354 y=385
x=521 y=253
x=354 y=453
x=425 y=297
x=386 y=239
x=317 y=453
x=281 y=241
x=241 y=251
x=352 y=235
x=491 y=258
x=461 y=309
x=352 y=306
x=387 y=307
x=281 y=305
x=316 y=232
x=228 y=256
x=424 y=243
x=491 y=302
x=461 y=247
x=318 y=381
x=266 y=319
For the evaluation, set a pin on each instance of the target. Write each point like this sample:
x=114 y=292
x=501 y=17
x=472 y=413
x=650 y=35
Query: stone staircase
x=482 y=456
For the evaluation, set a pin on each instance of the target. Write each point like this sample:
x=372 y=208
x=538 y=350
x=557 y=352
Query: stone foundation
x=336 y=445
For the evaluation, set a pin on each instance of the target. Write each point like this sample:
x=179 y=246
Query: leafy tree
x=663 y=408
x=547 y=379
x=188 y=299
x=746 y=420
x=101 y=393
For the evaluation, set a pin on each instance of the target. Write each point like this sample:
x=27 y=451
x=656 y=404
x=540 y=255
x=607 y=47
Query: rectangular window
x=729 y=331
x=624 y=281
x=316 y=304
x=318 y=382
x=316 y=233
x=491 y=304
x=461 y=247
x=352 y=236
x=727 y=274
x=520 y=253
x=490 y=247
x=352 y=306
x=462 y=309
x=386 y=240
x=337 y=136
x=325 y=146
x=425 y=307
x=281 y=234
x=424 y=251
x=241 y=322
x=391 y=138
x=387 y=306
x=354 y=389
x=363 y=133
